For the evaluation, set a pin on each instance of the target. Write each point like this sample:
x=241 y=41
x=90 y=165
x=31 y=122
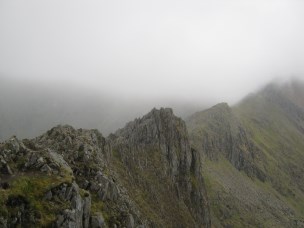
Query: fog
x=98 y=64
x=30 y=108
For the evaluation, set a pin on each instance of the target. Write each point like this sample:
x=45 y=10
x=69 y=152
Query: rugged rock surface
x=144 y=175
x=150 y=173
x=217 y=132
x=156 y=152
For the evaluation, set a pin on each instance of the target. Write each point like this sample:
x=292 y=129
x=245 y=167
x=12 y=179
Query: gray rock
x=6 y=169
x=108 y=189
x=48 y=195
x=3 y=222
x=60 y=220
x=45 y=168
x=67 y=220
x=60 y=161
x=15 y=144
x=86 y=211
x=130 y=221
x=40 y=160
x=31 y=160
x=79 y=214
x=97 y=221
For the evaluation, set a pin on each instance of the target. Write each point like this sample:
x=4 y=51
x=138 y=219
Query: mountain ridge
x=271 y=148
x=238 y=166
x=114 y=182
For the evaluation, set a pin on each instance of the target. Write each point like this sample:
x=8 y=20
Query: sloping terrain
x=254 y=159
x=238 y=166
x=144 y=175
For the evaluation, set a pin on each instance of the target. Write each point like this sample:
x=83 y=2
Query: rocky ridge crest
x=144 y=175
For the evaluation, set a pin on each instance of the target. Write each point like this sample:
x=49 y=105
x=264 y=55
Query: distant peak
x=159 y=113
x=162 y=113
x=282 y=84
x=162 y=110
x=62 y=128
x=218 y=111
x=156 y=119
x=221 y=105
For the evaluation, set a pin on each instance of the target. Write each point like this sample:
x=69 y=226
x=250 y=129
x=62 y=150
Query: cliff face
x=217 y=132
x=144 y=175
x=155 y=151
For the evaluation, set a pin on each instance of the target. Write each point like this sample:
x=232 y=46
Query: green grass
x=33 y=188
x=282 y=144
x=100 y=207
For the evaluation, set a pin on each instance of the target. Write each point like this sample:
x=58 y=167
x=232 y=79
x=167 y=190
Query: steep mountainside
x=238 y=166
x=144 y=175
x=254 y=158
x=218 y=132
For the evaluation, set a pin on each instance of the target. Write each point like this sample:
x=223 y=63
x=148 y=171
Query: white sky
x=190 y=50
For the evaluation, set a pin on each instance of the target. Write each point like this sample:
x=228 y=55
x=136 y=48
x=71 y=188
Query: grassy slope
x=280 y=140
x=241 y=201
x=33 y=188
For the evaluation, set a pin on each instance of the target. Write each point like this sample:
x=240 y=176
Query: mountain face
x=253 y=158
x=238 y=166
x=218 y=132
x=144 y=175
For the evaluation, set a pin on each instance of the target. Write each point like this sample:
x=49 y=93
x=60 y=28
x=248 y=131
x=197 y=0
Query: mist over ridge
x=30 y=107
x=171 y=50
x=145 y=114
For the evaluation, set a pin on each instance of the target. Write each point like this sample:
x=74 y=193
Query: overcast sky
x=190 y=50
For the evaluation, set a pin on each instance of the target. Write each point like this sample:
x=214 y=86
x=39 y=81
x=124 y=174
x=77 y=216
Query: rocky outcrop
x=89 y=154
x=144 y=175
x=261 y=136
x=25 y=198
x=217 y=132
x=156 y=151
x=78 y=215
x=97 y=221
